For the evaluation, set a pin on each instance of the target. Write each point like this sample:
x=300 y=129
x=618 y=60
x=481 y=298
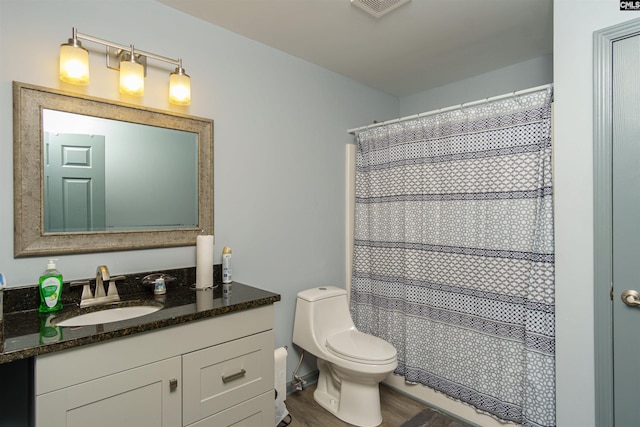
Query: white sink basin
x=107 y=316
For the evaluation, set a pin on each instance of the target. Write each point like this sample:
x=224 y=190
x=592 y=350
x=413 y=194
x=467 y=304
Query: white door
x=74 y=182
x=626 y=231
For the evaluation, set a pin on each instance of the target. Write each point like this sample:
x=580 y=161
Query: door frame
x=602 y=209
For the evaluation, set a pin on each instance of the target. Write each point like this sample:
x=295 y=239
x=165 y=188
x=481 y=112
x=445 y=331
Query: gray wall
x=523 y=75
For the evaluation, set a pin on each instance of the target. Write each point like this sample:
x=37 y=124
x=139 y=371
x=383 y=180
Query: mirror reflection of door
x=150 y=174
x=74 y=182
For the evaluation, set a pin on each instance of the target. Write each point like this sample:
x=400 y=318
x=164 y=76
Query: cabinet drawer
x=225 y=375
x=256 y=412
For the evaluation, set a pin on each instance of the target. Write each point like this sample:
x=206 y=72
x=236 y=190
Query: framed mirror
x=92 y=175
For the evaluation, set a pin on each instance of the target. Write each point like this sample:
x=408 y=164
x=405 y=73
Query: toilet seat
x=359 y=347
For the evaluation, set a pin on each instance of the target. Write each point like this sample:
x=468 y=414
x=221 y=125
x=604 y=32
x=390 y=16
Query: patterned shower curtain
x=454 y=253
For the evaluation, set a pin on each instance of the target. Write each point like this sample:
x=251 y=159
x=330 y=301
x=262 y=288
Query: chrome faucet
x=88 y=299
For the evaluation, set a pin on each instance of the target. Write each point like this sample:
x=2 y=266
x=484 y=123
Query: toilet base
x=356 y=403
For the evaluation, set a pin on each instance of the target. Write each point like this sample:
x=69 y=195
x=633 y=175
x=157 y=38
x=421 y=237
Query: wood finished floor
x=396 y=409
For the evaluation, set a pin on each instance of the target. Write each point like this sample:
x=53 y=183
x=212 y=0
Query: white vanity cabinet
x=211 y=372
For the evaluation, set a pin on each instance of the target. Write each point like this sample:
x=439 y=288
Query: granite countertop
x=27 y=333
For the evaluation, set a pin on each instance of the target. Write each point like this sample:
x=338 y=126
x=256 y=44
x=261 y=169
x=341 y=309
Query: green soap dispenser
x=50 y=289
x=49 y=333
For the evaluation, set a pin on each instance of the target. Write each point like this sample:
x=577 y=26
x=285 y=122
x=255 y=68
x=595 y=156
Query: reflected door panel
x=74 y=190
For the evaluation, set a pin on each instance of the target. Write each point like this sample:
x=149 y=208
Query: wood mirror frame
x=30 y=238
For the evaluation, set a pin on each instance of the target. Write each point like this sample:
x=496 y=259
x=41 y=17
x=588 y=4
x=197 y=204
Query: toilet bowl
x=351 y=364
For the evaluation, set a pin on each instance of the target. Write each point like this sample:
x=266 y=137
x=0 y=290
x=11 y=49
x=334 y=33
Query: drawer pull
x=173 y=384
x=227 y=378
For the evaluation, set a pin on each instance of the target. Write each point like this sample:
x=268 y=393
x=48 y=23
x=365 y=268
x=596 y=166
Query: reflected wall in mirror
x=92 y=175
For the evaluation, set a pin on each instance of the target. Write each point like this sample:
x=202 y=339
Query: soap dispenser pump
x=50 y=289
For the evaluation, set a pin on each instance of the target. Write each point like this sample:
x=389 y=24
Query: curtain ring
x=516 y=98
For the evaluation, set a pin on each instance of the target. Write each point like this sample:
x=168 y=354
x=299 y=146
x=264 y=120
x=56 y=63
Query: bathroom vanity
x=201 y=360
x=210 y=372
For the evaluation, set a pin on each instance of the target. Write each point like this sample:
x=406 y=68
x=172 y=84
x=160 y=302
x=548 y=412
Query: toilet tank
x=320 y=312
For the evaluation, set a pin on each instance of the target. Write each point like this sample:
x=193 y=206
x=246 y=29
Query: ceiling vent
x=378 y=8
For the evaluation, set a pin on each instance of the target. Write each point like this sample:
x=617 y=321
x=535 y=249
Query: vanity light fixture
x=180 y=86
x=132 y=63
x=74 y=62
x=131 y=75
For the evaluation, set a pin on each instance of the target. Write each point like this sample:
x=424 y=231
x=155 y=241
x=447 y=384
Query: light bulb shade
x=131 y=78
x=179 y=88
x=74 y=64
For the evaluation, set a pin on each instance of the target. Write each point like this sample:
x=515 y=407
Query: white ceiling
x=420 y=45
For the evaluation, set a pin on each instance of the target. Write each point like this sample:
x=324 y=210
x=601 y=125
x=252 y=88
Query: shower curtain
x=453 y=256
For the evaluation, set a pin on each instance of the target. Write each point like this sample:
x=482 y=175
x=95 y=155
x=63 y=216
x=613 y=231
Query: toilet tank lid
x=316 y=294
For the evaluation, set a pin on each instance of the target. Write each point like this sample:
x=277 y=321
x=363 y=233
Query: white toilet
x=351 y=363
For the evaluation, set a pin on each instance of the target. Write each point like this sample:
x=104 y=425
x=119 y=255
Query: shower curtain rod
x=454 y=107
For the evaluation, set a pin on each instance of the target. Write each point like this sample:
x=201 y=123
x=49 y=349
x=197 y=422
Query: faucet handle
x=150 y=279
x=86 y=289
